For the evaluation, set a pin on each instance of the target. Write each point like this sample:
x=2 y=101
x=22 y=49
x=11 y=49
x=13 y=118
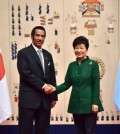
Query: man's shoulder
x=46 y=52
x=25 y=49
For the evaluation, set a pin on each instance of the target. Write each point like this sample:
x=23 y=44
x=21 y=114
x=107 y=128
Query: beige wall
x=109 y=54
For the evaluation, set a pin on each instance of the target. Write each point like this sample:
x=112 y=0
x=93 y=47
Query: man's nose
x=40 y=37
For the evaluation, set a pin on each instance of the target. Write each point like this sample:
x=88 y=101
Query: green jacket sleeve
x=95 y=83
x=67 y=83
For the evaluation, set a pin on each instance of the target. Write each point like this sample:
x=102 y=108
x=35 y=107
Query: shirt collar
x=36 y=49
x=86 y=58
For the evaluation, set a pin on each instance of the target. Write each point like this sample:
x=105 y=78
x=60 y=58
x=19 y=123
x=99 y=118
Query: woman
x=83 y=75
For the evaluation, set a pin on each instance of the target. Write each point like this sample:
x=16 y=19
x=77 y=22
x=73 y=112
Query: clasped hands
x=48 y=89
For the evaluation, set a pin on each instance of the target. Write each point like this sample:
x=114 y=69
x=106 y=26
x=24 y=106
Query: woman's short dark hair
x=81 y=40
x=37 y=27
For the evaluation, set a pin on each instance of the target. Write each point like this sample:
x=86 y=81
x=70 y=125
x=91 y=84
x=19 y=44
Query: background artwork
x=111 y=19
x=91 y=8
x=72 y=22
x=64 y=21
x=91 y=25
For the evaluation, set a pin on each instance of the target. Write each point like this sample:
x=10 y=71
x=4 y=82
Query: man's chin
x=39 y=45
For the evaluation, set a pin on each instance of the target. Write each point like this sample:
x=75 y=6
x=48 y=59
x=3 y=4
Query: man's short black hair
x=37 y=27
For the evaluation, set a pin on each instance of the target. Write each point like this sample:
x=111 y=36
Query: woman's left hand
x=94 y=108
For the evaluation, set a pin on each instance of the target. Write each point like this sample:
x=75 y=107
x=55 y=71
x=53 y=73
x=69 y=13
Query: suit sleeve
x=54 y=95
x=25 y=72
x=52 y=75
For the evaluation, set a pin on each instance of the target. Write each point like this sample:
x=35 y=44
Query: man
x=36 y=72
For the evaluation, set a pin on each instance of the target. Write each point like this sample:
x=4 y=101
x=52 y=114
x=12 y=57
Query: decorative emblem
x=101 y=66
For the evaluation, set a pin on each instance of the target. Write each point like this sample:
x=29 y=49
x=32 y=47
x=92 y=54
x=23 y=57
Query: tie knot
x=39 y=51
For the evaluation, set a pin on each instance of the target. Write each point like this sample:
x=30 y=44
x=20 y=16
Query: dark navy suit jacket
x=32 y=78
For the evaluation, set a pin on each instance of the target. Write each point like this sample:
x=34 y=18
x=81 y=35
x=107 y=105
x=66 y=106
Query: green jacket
x=85 y=81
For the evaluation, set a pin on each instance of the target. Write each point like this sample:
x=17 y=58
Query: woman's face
x=80 y=51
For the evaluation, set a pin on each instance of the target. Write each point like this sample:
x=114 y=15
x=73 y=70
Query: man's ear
x=32 y=38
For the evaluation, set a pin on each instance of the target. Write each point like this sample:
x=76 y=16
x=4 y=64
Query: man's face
x=38 y=38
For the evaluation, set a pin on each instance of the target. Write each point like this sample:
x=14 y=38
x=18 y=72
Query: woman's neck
x=81 y=59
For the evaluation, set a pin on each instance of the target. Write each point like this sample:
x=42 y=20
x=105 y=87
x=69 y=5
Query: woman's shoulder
x=72 y=63
x=92 y=61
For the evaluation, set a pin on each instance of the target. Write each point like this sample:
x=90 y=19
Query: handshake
x=48 y=89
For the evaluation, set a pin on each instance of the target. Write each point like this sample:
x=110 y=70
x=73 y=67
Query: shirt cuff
x=44 y=86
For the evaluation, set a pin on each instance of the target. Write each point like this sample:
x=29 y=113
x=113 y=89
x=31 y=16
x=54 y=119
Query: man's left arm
x=54 y=96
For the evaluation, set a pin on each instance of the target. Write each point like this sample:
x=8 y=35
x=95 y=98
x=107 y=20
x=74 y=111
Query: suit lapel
x=35 y=55
x=45 y=60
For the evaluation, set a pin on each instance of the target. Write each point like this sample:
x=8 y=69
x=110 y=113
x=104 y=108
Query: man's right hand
x=48 y=89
